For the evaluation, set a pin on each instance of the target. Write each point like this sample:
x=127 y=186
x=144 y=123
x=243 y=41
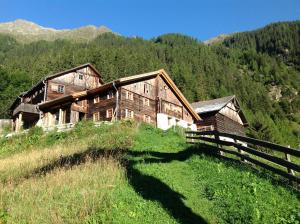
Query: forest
x=261 y=67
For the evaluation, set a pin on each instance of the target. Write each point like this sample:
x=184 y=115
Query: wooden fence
x=244 y=148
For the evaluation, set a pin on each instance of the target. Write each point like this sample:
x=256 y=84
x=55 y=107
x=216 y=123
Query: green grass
x=154 y=178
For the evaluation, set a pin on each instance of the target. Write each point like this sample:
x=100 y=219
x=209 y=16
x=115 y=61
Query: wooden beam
x=253 y=141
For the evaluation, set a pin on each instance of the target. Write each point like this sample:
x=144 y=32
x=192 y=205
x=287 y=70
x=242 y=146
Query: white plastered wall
x=165 y=122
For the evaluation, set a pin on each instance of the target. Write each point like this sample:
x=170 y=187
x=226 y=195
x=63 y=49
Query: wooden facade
x=25 y=112
x=223 y=115
x=142 y=98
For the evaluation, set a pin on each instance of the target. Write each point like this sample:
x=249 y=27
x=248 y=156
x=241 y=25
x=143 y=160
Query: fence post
x=217 y=137
x=240 y=151
x=288 y=158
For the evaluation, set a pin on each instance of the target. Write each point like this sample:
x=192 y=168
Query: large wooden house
x=24 y=110
x=222 y=114
x=80 y=93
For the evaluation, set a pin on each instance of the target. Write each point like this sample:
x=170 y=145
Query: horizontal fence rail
x=246 y=153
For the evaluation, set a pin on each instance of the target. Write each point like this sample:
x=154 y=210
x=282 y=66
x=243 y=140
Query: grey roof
x=211 y=105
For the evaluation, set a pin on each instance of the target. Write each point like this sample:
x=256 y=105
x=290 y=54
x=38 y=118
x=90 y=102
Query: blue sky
x=200 y=19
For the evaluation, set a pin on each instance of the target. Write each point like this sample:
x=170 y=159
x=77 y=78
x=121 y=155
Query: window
x=147 y=88
x=129 y=95
x=58 y=88
x=146 y=102
x=110 y=95
x=109 y=113
x=80 y=76
x=61 y=88
x=147 y=118
x=96 y=116
x=129 y=114
x=96 y=99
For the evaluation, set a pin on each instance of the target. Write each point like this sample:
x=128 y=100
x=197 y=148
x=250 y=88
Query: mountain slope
x=280 y=40
x=25 y=31
x=266 y=85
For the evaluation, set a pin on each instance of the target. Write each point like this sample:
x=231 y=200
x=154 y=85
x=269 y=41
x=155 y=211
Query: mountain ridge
x=26 y=31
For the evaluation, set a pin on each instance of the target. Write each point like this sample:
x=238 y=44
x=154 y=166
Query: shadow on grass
x=212 y=152
x=150 y=187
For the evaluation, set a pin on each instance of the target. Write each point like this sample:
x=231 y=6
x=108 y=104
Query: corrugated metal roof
x=211 y=105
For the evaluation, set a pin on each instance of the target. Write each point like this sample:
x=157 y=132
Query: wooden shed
x=222 y=114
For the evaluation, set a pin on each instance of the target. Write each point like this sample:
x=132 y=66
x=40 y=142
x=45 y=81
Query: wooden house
x=24 y=110
x=151 y=97
x=222 y=114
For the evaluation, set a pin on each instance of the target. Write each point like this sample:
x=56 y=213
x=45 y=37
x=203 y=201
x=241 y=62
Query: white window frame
x=80 y=76
x=96 y=99
x=60 y=88
x=112 y=112
x=146 y=102
x=147 y=118
x=96 y=116
x=110 y=94
x=129 y=95
x=129 y=114
x=147 y=88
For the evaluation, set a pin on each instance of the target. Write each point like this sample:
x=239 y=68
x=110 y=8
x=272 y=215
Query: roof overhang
x=125 y=81
x=179 y=94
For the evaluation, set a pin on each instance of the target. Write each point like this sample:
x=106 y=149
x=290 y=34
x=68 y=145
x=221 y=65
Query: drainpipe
x=45 y=90
x=117 y=100
x=45 y=95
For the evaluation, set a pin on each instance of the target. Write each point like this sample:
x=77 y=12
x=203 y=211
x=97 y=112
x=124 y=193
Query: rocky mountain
x=25 y=31
x=216 y=39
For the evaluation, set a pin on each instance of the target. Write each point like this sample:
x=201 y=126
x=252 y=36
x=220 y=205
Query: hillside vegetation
x=261 y=67
x=132 y=173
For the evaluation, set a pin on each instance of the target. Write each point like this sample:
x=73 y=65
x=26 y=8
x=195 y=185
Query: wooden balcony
x=27 y=108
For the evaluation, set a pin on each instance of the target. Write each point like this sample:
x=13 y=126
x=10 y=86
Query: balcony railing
x=26 y=107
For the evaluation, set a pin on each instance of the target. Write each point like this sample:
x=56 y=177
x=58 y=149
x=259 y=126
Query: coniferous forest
x=261 y=67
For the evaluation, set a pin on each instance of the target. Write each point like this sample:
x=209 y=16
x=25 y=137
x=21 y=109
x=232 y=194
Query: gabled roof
x=75 y=69
x=215 y=105
x=211 y=105
x=65 y=72
x=57 y=75
x=125 y=81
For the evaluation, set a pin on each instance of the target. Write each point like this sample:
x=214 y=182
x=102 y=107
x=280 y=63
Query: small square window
x=147 y=88
x=80 y=76
x=129 y=114
x=129 y=95
x=96 y=99
x=146 y=102
x=109 y=113
x=147 y=118
x=110 y=95
x=61 y=88
x=96 y=116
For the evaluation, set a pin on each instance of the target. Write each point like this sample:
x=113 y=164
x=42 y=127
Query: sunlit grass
x=132 y=173
x=62 y=196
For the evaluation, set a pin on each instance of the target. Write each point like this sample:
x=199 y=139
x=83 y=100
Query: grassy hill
x=132 y=173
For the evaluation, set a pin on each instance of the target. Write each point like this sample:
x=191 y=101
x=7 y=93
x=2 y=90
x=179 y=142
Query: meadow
x=132 y=173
